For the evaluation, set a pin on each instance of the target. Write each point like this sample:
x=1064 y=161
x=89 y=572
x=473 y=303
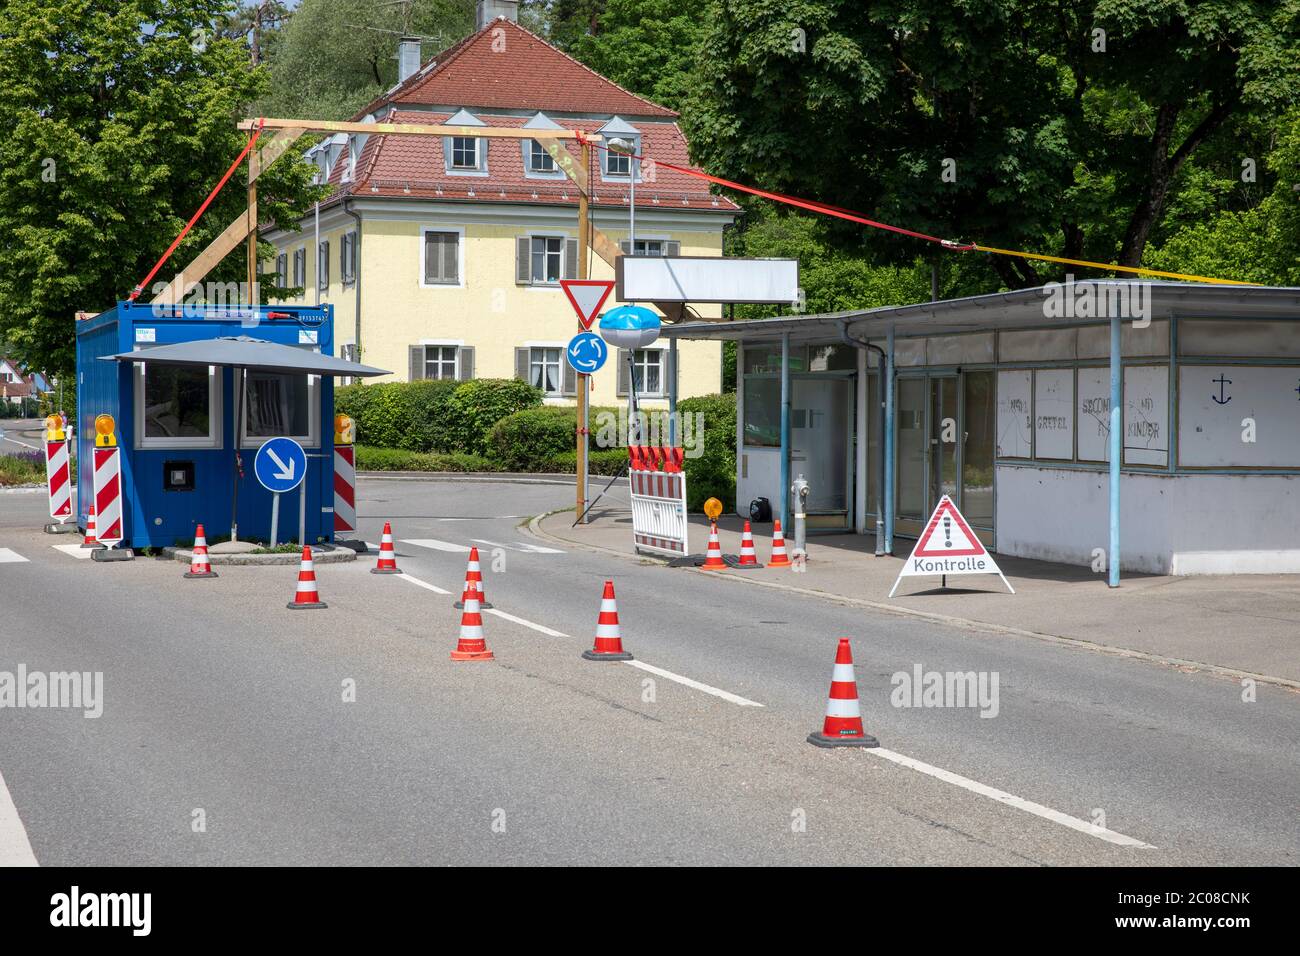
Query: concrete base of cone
x=66 y=528
x=86 y=546
x=306 y=606
x=102 y=553
x=203 y=574
x=472 y=656
x=385 y=571
x=616 y=656
x=821 y=740
x=483 y=605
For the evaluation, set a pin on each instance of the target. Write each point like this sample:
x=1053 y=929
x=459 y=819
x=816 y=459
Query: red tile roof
x=504 y=66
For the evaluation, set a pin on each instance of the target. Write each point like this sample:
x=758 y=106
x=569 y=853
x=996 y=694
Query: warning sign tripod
x=948 y=546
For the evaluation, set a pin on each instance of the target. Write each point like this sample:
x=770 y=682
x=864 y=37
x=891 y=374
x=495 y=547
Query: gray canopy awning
x=244 y=352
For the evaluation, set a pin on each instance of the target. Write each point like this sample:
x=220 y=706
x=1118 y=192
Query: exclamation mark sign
x=947 y=532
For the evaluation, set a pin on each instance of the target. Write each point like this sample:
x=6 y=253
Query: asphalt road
x=218 y=699
x=20 y=435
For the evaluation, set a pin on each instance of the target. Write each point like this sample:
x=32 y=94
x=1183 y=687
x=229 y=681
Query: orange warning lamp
x=54 y=428
x=713 y=508
x=344 y=430
x=104 y=428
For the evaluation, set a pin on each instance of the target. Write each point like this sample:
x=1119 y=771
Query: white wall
x=1185 y=524
x=764 y=478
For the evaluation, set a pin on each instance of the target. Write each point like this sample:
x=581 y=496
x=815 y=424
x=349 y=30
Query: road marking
x=17 y=442
x=8 y=556
x=15 y=848
x=73 y=551
x=436 y=545
x=1011 y=800
x=519 y=546
x=422 y=584
x=519 y=620
x=716 y=692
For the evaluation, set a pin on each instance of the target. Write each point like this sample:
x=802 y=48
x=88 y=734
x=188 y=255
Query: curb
x=334 y=555
x=512 y=478
x=1219 y=670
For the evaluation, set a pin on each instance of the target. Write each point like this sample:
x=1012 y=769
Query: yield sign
x=587 y=296
x=948 y=546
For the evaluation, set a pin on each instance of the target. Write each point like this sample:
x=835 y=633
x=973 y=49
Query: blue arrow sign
x=587 y=352
x=280 y=465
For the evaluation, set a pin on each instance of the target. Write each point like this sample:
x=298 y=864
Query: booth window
x=177 y=407
x=281 y=404
x=762 y=411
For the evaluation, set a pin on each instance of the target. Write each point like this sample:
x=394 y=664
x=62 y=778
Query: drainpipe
x=356 y=278
x=888 y=437
x=880 y=425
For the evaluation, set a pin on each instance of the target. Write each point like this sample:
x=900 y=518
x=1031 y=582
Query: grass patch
x=24 y=468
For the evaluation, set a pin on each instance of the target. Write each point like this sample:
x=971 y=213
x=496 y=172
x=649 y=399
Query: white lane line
x=436 y=545
x=518 y=546
x=9 y=556
x=1010 y=799
x=519 y=620
x=15 y=848
x=73 y=551
x=422 y=584
x=716 y=692
x=23 y=443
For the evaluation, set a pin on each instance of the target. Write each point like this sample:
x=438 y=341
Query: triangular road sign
x=948 y=546
x=587 y=296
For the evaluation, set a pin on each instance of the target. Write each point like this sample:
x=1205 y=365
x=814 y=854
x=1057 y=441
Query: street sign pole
x=584 y=225
x=275 y=519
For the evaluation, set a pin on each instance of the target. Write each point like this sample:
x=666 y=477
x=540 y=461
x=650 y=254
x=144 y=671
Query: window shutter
x=622 y=372
x=570 y=258
x=570 y=381
x=672 y=248
x=521 y=364
x=522 y=261
x=430 y=257
x=450 y=257
x=466 y=363
x=416 y=356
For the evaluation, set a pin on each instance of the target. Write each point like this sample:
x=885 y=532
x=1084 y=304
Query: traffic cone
x=843 y=726
x=91 y=541
x=387 y=563
x=306 y=596
x=199 y=566
x=748 y=557
x=609 y=642
x=779 y=558
x=471 y=646
x=475 y=576
x=713 y=556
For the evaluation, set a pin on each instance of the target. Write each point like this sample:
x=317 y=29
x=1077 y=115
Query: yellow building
x=442 y=257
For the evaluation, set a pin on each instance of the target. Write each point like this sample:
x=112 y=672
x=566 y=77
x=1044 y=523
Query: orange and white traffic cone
x=471 y=646
x=609 y=641
x=199 y=564
x=387 y=563
x=713 y=556
x=748 y=557
x=473 y=576
x=306 y=596
x=779 y=558
x=843 y=726
x=91 y=541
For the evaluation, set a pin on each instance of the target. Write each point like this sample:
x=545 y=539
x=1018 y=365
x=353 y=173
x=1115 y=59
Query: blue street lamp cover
x=629 y=327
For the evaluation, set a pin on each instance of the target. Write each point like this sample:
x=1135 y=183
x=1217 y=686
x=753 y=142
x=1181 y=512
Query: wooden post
x=584 y=240
x=253 y=297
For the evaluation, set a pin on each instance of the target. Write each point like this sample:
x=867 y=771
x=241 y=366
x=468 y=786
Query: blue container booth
x=176 y=425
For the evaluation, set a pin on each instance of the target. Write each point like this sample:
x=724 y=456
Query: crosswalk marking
x=436 y=545
x=9 y=556
x=73 y=551
x=518 y=546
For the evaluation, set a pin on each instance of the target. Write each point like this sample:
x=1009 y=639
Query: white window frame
x=563 y=239
x=310 y=440
x=460 y=260
x=559 y=347
x=663 y=367
x=531 y=172
x=455 y=360
x=633 y=164
x=480 y=156
x=215 y=430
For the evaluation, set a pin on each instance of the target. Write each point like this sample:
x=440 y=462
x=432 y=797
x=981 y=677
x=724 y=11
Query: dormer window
x=465 y=155
x=464 y=152
x=617 y=163
x=539 y=160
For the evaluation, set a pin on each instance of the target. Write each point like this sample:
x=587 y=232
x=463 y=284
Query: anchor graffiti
x=1222 y=382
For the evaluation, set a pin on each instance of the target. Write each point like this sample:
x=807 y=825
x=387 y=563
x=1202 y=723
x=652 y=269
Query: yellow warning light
x=54 y=428
x=713 y=508
x=104 y=428
x=344 y=430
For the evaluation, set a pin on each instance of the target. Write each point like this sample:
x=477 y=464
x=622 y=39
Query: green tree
x=119 y=120
x=646 y=46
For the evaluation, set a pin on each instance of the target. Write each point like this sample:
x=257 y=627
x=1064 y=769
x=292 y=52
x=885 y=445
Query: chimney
x=408 y=58
x=489 y=10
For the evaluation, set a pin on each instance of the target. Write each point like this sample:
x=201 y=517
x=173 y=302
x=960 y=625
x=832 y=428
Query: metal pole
x=785 y=429
x=672 y=393
x=317 y=237
x=888 y=438
x=302 y=504
x=1116 y=446
x=240 y=382
x=584 y=391
x=275 y=518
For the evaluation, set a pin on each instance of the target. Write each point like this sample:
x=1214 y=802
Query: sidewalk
x=1238 y=623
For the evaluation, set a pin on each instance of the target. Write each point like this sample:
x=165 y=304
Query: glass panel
x=910 y=469
x=832 y=358
x=278 y=404
x=943 y=439
x=1243 y=338
x=175 y=402
x=1094 y=340
x=819 y=441
x=874 y=450
x=977 y=451
x=762 y=358
x=960 y=349
x=762 y=412
x=1046 y=345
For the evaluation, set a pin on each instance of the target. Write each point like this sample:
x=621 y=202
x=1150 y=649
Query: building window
x=441 y=258
x=440 y=361
x=464 y=152
x=539 y=160
x=348 y=258
x=617 y=164
x=547 y=255
x=299 y=268
x=544 y=370
x=282 y=271
x=177 y=407
x=323 y=265
x=647 y=371
x=652 y=247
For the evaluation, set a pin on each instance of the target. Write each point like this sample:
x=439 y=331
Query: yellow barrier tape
x=1109 y=265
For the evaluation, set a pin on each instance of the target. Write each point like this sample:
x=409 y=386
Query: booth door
x=821 y=442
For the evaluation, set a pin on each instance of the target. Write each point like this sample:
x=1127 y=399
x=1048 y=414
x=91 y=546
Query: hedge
x=396 y=459
x=525 y=439
x=713 y=472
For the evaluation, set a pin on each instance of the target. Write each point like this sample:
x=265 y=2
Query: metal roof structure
x=244 y=352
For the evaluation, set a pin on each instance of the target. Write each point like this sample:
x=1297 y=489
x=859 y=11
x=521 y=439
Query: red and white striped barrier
x=658 y=488
x=843 y=725
x=345 y=489
x=108 y=495
x=58 y=478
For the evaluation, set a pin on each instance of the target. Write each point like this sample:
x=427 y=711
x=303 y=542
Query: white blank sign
x=706 y=279
x=1222 y=407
